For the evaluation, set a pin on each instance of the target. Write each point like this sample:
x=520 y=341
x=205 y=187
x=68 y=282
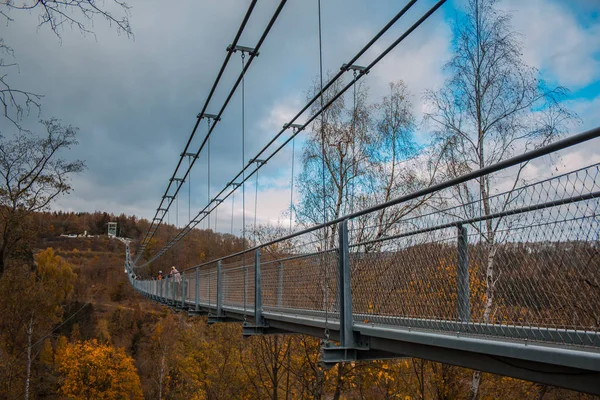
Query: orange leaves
x=98 y=371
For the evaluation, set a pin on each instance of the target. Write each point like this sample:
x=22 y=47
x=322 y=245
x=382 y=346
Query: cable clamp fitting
x=214 y=117
x=258 y=161
x=358 y=68
x=243 y=49
x=295 y=127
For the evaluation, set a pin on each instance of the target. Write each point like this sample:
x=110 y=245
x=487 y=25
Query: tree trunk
x=161 y=375
x=490 y=282
x=3 y=256
x=287 y=378
x=340 y=382
x=275 y=367
x=28 y=369
x=474 y=393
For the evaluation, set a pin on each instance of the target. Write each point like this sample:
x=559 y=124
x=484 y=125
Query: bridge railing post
x=166 y=279
x=168 y=286
x=464 y=291
x=280 y=286
x=197 y=294
x=258 y=320
x=345 y=293
x=182 y=289
x=219 y=289
x=245 y=287
x=173 y=294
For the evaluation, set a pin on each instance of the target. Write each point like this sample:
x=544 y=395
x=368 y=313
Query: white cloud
x=135 y=100
x=556 y=42
x=587 y=111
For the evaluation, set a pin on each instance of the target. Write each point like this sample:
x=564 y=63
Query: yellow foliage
x=56 y=273
x=47 y=353
x=96 y=371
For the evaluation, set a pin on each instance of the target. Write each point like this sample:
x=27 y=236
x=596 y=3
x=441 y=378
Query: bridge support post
x=173 y=294
x=182 y=305
x=245 y=286
x=218 y=317
x=345 y=295
x=219 y=288
x=464 y=292
x=352 y=346
x=196 y=310
x=166 y=279
x=280 y=285
x=259 y=325
x=257 y=290
x=197 y=294
x=346 y=351
x=160 y=289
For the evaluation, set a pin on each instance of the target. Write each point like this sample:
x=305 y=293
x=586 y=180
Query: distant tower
x=112 y=229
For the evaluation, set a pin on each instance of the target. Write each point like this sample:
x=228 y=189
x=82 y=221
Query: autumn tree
x=491 y=106
x=91 y=370
x=32 y=303
x=32 y=174
x=162 y=343
x=267 y=364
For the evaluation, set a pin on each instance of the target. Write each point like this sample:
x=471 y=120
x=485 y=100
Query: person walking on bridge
x=176 y=276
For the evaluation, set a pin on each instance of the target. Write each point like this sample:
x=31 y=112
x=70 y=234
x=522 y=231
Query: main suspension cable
x=342 y=70
x=151 y=229
x=208 y=208
x=231 y=49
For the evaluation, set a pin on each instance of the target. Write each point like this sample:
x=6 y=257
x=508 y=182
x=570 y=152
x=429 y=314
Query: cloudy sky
x=135 y=99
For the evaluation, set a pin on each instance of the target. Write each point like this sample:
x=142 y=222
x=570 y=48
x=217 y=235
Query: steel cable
x=207 y=209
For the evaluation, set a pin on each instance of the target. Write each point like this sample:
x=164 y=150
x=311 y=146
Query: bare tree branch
x=33 y=176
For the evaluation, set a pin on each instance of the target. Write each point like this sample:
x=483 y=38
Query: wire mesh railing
x=521 y=263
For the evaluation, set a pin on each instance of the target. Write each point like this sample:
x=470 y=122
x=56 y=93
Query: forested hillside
x=86 y=334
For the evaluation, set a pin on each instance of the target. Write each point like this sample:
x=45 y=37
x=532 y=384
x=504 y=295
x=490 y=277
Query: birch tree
x=491 y=106
x=356 y=157
x=333 y=158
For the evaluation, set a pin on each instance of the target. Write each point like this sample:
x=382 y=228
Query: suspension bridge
x=507 y=284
